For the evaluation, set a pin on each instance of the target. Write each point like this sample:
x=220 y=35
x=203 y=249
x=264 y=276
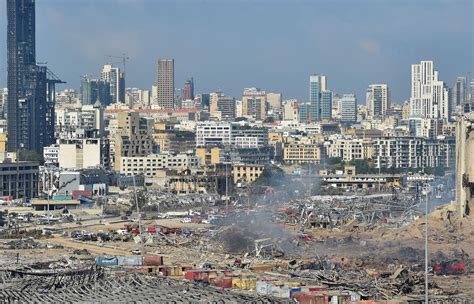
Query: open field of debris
x=346 y=249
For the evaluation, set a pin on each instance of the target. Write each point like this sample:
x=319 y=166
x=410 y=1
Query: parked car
x=136 y=251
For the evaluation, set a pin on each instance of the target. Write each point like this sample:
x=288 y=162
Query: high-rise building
x=348 y=108
x=165 y=83
x=459 y=92
x=116 y=81
x=30 y=92
x=93 y=90
x=225 y=105
x=472 y=91
x=3 y=102
x=254 y=103
x=429 y=95
x=320 y=99
x=378 y=100
x=188 y=90
x=274 y=101
x=326 y=105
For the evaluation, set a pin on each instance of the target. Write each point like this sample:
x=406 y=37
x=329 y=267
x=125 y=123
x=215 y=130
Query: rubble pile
x=155 y=200
x=30 y=243
x=349 y=212
x=95 y=286
x=386 y=285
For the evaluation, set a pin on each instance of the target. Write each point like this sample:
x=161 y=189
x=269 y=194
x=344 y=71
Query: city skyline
x=317 y=42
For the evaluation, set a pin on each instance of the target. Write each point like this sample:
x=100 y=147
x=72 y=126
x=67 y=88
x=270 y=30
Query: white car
x=186 y=220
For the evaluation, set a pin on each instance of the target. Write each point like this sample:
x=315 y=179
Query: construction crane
x=124 y=58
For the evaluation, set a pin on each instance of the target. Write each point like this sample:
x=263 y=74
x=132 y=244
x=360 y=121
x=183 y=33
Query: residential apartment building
x=132 y=138
x=88 y=117
x=254 y=103
x=348 y=149
x=222 y=106
x=300 y=152
x=153 y=165
x=82 y=153
x=246 y=173
x=247 y=136
x=429 y=95
x=414 y=152
x=291 y=111
x=51 y=155
x=213 y=134
x=378 y=100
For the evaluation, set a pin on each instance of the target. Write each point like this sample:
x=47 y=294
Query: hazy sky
x=272 y=44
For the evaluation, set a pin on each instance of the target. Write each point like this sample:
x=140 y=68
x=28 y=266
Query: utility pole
x=139 y=215
x=426 y=247
x=226 y=182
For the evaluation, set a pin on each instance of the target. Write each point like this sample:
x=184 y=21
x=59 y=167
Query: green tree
x=362 y=166
x=30 y=155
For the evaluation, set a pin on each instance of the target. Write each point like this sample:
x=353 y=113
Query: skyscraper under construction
x=31 y=88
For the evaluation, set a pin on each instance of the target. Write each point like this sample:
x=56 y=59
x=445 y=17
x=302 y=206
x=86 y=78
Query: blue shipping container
x=130 y=260
x=101 y=261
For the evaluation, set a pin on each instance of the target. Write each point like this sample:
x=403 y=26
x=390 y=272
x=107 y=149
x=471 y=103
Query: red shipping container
x=310 y=298
x=153 y=261
x=151 y=229
x=165 y=271
x=221 y=282
x=203 y=276
x=192 y=275
x=77 y=193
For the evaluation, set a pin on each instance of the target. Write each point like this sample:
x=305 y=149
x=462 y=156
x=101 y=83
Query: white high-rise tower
x=429 y=95
x=116 y=79
x=378 y=100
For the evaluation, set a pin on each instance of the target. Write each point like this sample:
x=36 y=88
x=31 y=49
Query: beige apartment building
x=132 y=138
x=153 y=165
x=302 y=152
x=245 y=173
x=209 y=156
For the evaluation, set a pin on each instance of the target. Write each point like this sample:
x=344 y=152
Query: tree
x=30 y=155
x=362 y=166
x=335 y=163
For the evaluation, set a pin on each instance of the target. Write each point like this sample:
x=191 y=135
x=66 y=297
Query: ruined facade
x=465 y=164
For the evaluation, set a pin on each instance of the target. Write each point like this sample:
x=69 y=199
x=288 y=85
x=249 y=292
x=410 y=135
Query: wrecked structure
x=464 y=164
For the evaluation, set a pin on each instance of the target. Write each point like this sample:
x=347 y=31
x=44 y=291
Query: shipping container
x=101 y=261
x=62 y=198
x=130 y=260
x=221 y=282
x=244 y=283
x=165 y=271
x=310 y=298
x=263 y=288
x=153 y=261
x=176 y=271
x=313 y=288
x=294 y=290
x=191 y=275
x=280 y=292
x=77 y=193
